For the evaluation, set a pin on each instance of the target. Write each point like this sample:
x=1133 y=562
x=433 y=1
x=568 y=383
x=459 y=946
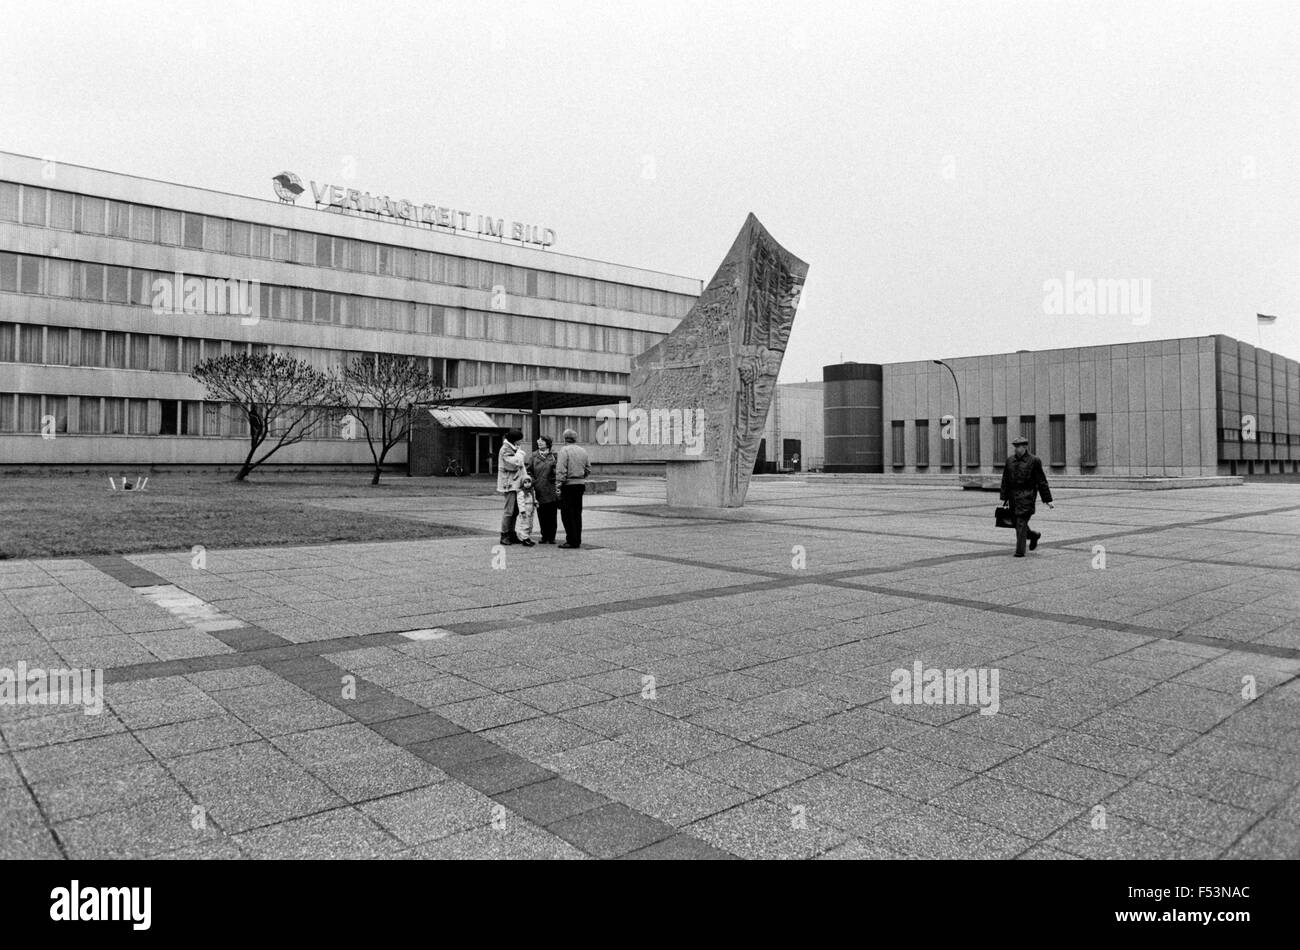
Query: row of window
x=113 y=349
x=971 y=440
x=101 y=283
x=86 y=214
x=54 y=415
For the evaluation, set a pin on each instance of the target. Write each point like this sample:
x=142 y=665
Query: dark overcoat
x=544 y=479
x=1022 y=481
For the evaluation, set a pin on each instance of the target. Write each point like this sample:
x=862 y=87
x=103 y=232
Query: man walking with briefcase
x=1022 y=481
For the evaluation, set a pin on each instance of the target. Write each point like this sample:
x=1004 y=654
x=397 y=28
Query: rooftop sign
x=329 y=196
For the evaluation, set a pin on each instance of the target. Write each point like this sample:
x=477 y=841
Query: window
x=29 y=413
x=6 y=410
x=92 y=282
x=34 y=201
x=971 y=450
x=29 y=344
x=115 y=416
x=90 y=214
x=922 y=443
x=138 y=416
x=946 y=443
x=8 y=201
x=239 y=237
x=897 y=449
x=57 y=406
x=1057 y=426
x=139 y=349
x=1001 y=448
x=323 y=254
x=114 y=350
x=58 y=346
x=144 y=223
x=8 y=272
x=169 y=420
x=63 y=210
x=169 y=226
x=89 y=421
x=89 y=349
x=117 y=285
x=164 y=354
x=8 y=339
x=119 y=219
x=1088 y=440
x=193 y=231
x=58 y=278
x=29 y=274
x=1028 y=427
x=214 y=235
x=191 y=418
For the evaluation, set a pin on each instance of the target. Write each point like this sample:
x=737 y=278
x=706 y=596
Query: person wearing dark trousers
x=1022 y=482
x=572 y=467
x=548 y=495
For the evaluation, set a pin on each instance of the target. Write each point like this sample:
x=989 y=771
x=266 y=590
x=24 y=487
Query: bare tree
x=389 y=388
x=279 y=395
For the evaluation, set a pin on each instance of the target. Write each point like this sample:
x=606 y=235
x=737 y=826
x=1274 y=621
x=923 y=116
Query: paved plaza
x=706 y=684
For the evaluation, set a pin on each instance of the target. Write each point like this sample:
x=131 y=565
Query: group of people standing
x=541 y=483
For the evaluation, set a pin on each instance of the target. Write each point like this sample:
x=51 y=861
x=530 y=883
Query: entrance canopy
x=457 y=418
x=539 y=395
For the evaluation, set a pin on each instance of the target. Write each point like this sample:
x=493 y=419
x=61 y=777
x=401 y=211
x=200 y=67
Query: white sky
x=935 y=163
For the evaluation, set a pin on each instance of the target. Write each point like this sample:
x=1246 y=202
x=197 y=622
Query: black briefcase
x=1003 y=518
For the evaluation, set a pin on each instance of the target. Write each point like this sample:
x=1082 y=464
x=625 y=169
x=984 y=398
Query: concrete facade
x=82 y=343
x=1164 y=408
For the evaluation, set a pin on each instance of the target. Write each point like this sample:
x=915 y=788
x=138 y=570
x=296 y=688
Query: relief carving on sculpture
x=724 y=358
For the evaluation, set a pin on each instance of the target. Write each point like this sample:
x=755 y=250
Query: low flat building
x=1209 y=405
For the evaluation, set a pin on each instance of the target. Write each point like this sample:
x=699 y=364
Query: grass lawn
x=73 y=515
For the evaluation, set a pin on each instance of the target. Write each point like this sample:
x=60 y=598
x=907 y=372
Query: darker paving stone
x=500 y=773
x=611 y=830
x=680 y=848
x=248 y=638
x=378 y=709
x=452 y=751
x=120 y=569
x=410 y=730
x=545 y=803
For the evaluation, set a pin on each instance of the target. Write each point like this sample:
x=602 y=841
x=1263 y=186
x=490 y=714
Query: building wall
x=74 y=297
x=1155 y=406
x=797 y=412
x=1260 y=388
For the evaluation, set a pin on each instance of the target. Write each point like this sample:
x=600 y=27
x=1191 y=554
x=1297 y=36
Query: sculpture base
x=698 y=485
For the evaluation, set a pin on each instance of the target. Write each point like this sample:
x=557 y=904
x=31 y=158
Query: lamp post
x=958 y=420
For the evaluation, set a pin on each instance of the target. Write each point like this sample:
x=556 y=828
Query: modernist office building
x=1207 y=405
x=91 y=373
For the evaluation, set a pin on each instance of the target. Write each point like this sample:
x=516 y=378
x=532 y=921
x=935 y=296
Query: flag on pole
x=1265 y=318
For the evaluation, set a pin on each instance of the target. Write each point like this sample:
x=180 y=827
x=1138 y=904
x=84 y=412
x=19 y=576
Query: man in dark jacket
x=1022 y=481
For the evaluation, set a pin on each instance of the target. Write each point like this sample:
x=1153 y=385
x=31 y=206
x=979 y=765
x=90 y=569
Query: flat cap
x=1020 y=440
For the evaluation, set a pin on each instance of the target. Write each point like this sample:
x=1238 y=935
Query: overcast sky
x=937 y=164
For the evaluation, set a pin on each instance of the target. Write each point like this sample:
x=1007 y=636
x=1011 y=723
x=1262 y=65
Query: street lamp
x=958 y=420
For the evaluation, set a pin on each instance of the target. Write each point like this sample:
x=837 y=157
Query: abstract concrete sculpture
x=720 y=367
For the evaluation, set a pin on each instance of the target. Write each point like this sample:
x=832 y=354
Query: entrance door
x=790 y=449
x=484 y=454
